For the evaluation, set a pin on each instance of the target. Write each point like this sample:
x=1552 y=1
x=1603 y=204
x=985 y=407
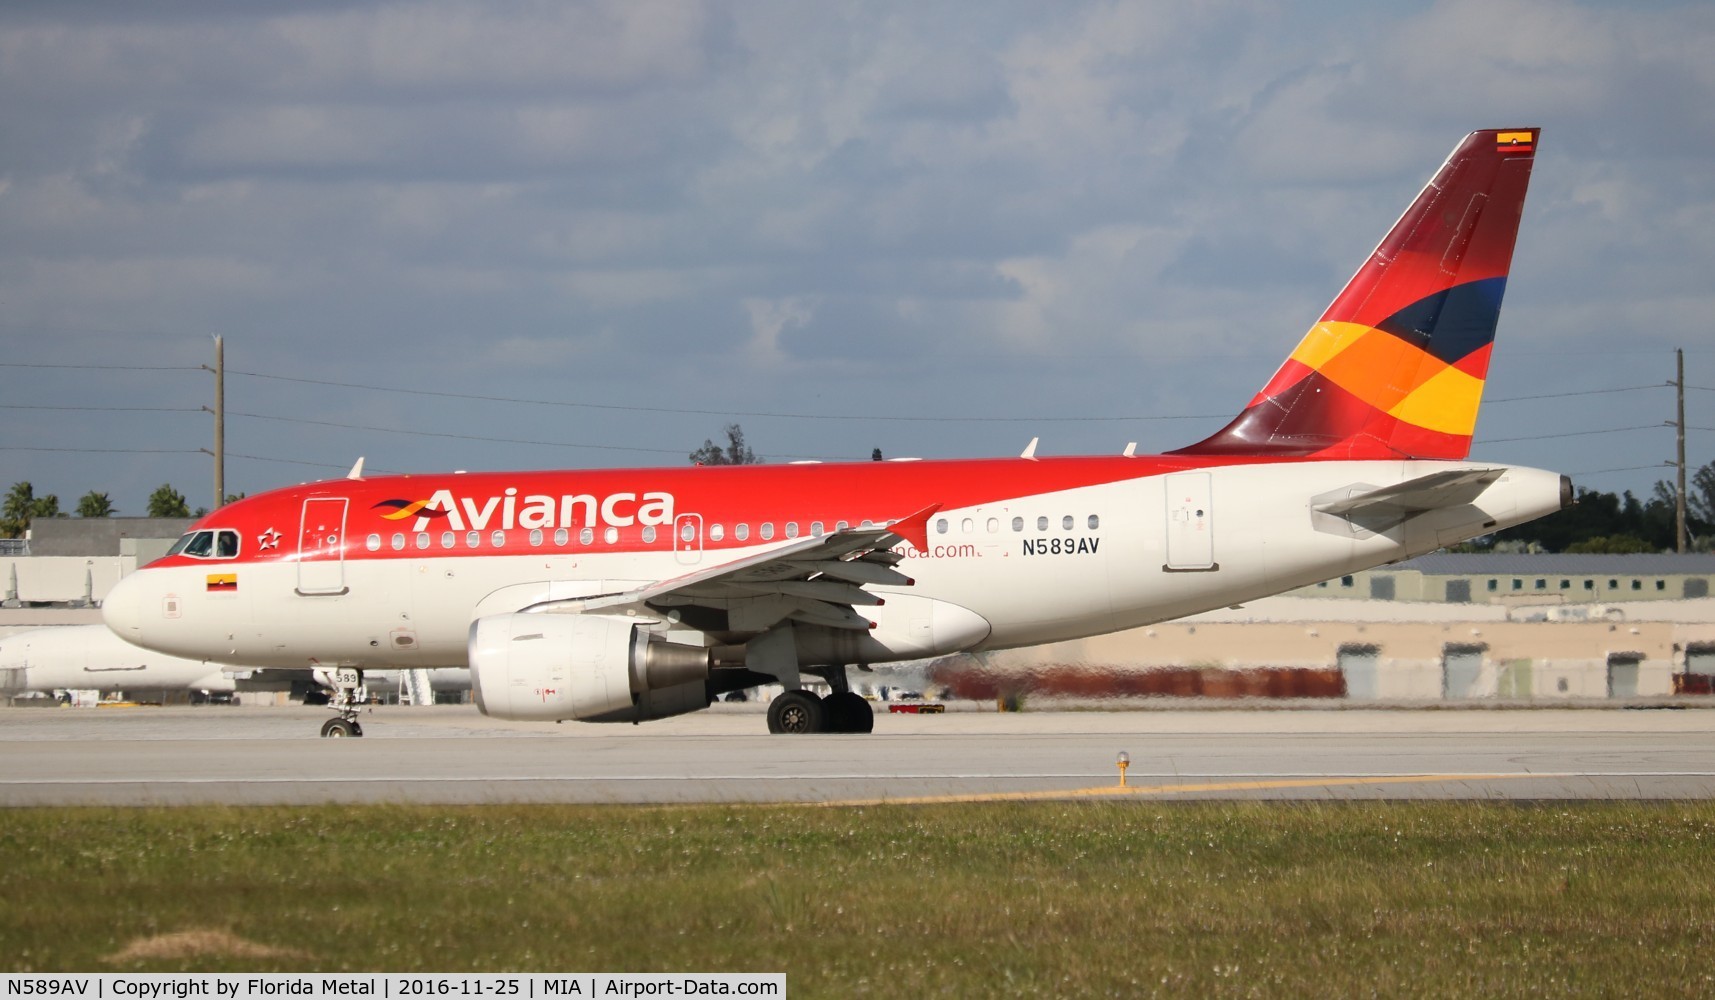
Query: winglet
x=356 y=470
x=914 y=528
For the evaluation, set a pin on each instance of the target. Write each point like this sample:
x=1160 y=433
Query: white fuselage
x=1032 y=569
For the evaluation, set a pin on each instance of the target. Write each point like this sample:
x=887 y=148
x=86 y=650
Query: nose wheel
x=341 y=727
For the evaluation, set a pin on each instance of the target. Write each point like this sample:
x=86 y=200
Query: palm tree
x=94 y=504
x=168 y=502
x=17 y=509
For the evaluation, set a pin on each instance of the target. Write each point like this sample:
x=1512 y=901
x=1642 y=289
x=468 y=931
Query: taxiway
x=212 y=754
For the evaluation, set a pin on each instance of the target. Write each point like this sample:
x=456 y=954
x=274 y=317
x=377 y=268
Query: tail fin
x=1395 y=367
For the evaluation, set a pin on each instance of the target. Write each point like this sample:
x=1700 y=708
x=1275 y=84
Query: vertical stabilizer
x=1395 y=367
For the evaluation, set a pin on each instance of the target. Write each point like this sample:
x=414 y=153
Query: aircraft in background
x=91 y=658
x=634 y=594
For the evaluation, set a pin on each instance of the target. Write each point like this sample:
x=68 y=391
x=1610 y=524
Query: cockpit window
x=201 y=545
x=221 y=544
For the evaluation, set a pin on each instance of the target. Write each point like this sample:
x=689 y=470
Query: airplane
x=626 y=595
x=92 y=658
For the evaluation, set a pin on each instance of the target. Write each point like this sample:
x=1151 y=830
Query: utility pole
x=1679 y=456
x=220 y=424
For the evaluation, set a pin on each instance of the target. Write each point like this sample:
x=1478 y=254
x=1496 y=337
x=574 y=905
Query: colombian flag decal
x=1520 y=142
x=223 y=583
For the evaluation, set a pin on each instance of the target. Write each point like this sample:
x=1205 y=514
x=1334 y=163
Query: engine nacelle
x=547 y=667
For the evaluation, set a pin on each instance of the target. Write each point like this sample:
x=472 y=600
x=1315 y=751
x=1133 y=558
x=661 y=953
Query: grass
x=1063 y=899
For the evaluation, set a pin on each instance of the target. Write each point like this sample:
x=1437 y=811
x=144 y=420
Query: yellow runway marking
x=1116 y=791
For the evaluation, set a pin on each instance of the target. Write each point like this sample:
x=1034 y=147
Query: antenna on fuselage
x=356 y=470
x=1030 y=450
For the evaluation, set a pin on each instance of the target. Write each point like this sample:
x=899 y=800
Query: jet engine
x=595 y=668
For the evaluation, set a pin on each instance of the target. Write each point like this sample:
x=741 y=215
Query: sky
x=559 y=235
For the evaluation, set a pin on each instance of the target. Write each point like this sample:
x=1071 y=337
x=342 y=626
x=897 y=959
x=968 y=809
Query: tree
x=93 y=504
x=168 y=502
x=17 y=509
x=735 y=453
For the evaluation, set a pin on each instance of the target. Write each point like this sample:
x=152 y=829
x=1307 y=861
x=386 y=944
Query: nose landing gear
x=348 y=694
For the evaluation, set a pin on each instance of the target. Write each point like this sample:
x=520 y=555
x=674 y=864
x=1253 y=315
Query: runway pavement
x=451 y=754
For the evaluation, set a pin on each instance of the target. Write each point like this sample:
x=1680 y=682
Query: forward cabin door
x=1190 y=523
x=321 y=547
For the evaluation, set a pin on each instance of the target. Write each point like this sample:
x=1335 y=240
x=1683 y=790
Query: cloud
x=883 y=207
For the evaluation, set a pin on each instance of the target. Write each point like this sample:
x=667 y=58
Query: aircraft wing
x=1414 y=496
x=816 y=580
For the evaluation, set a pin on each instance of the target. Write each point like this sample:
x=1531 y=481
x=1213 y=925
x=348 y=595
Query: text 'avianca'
x=535 y=510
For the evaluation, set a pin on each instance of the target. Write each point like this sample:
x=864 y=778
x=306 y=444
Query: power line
x=289 y=461
x=108 y=451
x=1544 y=437
x=106 y=409
x=121 y=368
x=1626 y=468
x=715 y=413
x=1582 y=392
x=470 y=437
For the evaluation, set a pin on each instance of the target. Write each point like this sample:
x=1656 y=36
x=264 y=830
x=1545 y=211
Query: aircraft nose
x=122 y=609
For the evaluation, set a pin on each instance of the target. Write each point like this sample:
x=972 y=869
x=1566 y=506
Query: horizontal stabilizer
x=1414 y=496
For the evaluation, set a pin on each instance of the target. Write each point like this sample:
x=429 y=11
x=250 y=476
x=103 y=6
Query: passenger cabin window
x=791 y=529
x=610 y=536
x=448 y=539
x=1018 y=524
x=1095 y=522
x=940 y=526
x=648 y=533
x=767 y=531
x=741 y=532
x=586 y=536
x=1042 y=523
x=561 y=536
x=716 y=532
x=1066 y=523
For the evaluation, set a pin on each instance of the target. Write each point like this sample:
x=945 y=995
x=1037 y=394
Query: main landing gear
x=347 y=684
x=794 y=712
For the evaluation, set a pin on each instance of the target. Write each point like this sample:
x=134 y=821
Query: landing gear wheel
x=797 y=712
x=848 y=713
x=337 y=728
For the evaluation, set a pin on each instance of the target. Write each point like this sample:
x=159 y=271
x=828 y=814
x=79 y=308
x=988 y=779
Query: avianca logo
x=534 y=510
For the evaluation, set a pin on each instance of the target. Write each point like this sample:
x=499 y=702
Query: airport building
x=75 y=561
x=1524 y=578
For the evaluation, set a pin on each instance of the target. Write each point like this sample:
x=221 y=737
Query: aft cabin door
x=1190 y=523
x=321 y=547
